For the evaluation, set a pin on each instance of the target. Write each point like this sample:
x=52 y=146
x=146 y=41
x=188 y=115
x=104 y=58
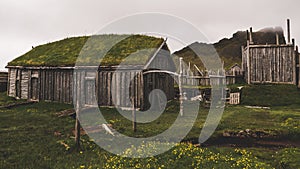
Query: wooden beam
x=133 y=114
x=288 y=31
x=250 y=36
x=277 y=39
x=248 y=63
x=78 y=108
x=180 y=86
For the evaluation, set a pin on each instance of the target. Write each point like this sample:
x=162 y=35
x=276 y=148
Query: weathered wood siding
x=245 y=62
x=111 y=87
x=41 y=84
x=108 y=87
x=3 y=81
x=24 y=84
x=54 y=85
x=115 y=88
x=270 y=64
x=18 y=83
x=12 y=82
x=162 y=81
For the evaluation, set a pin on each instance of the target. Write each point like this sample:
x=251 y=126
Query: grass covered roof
x=110 y=50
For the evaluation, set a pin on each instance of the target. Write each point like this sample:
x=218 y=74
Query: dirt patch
x=250 y=142
x=248 y=133
x=247 y=138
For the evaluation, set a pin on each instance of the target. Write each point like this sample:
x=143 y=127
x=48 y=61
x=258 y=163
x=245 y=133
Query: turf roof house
x=46 y=72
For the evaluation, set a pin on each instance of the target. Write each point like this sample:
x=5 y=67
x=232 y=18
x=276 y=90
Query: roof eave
x=154 y=55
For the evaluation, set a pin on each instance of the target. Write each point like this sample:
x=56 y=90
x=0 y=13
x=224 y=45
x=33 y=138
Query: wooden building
x=270 y=63
x=3 y=81
x=235 y=70
x=47 y=72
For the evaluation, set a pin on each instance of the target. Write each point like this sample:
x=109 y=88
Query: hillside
x=230 y=49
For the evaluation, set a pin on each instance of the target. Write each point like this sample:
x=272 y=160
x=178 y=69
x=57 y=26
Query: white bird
x=106 y=128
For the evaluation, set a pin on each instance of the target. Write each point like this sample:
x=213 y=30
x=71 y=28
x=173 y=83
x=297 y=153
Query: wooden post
x=243 y=58
x=298 y=65
x=133 y=114
x=247 y=32
x=248 y=63
x=77 y=132
x=78 y=105
x=20 y=84
x=250 y=36
x=277 y=39
x=288 y=31
x=180 y=86
x=188 y=75
x=294 y=63
x=293 y=43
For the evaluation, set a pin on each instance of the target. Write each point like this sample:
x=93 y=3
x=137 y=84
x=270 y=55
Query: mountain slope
x=229 y=50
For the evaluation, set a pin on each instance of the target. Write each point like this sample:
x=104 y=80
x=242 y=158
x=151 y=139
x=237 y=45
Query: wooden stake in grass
x=133 y=115
x=77 y=134
x=180 y=86
x=78 y=108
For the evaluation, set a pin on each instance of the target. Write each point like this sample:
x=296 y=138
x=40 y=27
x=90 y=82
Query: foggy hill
x=230 y=49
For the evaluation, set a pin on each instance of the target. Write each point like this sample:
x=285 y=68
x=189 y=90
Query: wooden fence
x=234 y=98
x=206 y=80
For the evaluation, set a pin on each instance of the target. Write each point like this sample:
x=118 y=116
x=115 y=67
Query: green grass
x=5 y=100
x=270 y=95
x=115 y=48
x=28 y=139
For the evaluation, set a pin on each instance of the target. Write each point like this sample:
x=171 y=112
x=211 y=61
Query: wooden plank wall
x=56 y=85
x=24 y=84
x=244 y=62
x=3 y=77
x=272 y=64
x=162 y=81
x=108 y=86
x=52 y=85
x=114 y=88
x=3 y=81
x=12 y=82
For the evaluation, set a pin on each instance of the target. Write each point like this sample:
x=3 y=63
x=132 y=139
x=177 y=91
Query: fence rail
x=206 y=80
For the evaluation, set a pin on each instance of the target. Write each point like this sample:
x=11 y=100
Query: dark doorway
x=18 y=89
x=34 y=89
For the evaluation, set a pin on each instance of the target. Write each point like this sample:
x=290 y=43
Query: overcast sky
x=27 y=23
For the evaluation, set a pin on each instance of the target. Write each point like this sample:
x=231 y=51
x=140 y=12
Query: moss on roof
x=90 y=50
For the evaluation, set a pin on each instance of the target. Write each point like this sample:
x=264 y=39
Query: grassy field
x=33 y=136
x=6 y=100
